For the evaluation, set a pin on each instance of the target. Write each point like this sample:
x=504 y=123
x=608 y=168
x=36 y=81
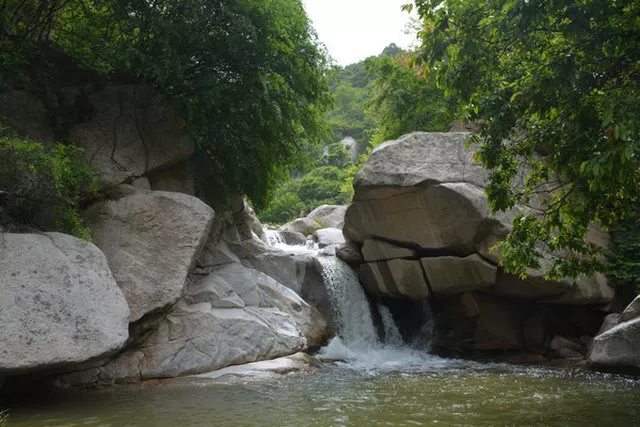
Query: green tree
x=402 y=101
x=555 y=85
x=246 y=76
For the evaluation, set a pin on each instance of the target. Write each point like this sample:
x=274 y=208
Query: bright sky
x=352 y=30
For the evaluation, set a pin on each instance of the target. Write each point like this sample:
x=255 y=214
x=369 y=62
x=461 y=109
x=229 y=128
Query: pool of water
x=421 y=390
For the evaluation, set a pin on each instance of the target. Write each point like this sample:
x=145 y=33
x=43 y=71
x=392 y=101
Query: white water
x=357 y=345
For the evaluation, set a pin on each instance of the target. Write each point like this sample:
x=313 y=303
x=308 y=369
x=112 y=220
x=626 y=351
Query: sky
x=352 y=30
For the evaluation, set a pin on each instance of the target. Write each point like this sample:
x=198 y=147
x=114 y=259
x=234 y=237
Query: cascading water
x=273 y=237
x=357 y=344
x=349 y=305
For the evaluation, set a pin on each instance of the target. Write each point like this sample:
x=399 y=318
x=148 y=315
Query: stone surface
x=424 y=192
x=59 y=303
x=233 y=316
x=305 y=226
x=583 y=290
x=178 y=178
x=618 y=348
x=329 y=236
x=293 y=238
x=378 y=250
x=452 y=275
x=609 y=322
x=421 y=158
x=350 y=253
x=396 y=277
x=329 y=216
x=299 y=362
x=478 y=321
x=451 y=215
x=151 y=240
x=632 y=311
x=132 y=133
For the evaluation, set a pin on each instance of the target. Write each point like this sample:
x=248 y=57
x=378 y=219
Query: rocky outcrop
x=151 y=240
x=421 y=221
x=618 y=348
x=232 y=316
x=132 y=133
x=329 y=216
x=617 y=345
x=324 y=216
x=59 y=303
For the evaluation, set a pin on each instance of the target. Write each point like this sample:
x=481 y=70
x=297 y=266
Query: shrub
x=42 y=186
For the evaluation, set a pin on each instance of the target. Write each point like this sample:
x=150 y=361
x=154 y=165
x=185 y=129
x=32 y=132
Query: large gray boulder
x=232 y=316
x=132 y=133
x=632 y=311
x=329 y=216
x=151 y=239
x=618 y=348
x=422 y=196
x=59 y=304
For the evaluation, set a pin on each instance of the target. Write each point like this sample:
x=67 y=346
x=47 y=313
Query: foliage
x=246 y=76
x=402 y=100
x=623 y=263
x=4 y=418
x=350 y=87
x=36 y=181
x=337 y=156
x=556 y=85
x=298 y=197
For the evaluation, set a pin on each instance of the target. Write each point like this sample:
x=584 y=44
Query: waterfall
x=273 y=237
x=349 y=305
x=391 y=333
x=357 y=345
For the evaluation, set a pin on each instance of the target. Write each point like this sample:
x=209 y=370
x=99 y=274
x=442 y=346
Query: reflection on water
x=454 y=393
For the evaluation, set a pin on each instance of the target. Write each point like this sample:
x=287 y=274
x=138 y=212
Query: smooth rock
x=350 y=253
x=305 y=226
x=378 y=250
x=632 y=311
x=609 y=322
x=618 y=348
x=132 y=133
x=452 y=275
x=177 y=178
x=233 y=316
x=396 y=277
x=329 y=216
x=293 y=238
x=59 y=303
x=151 y=239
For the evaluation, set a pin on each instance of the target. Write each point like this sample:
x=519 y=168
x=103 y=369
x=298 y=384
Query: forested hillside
x=246 y=78
x=375 y=100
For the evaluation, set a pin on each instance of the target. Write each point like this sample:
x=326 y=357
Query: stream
x=362 y=382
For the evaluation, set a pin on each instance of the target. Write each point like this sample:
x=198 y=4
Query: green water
x=442 y=394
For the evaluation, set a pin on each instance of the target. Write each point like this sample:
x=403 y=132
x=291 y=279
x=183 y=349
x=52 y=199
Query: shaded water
x=450 y=393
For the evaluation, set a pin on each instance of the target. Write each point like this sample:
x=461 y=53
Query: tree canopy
x=246 y=76
x=555 y=85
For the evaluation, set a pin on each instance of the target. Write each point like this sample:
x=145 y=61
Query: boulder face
x=324 y=216
x=151 y=239
x=232 y=316
x=420 y=220
x=59 y=303
x=132 y=133
x=421 y=197
x=618 y=348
